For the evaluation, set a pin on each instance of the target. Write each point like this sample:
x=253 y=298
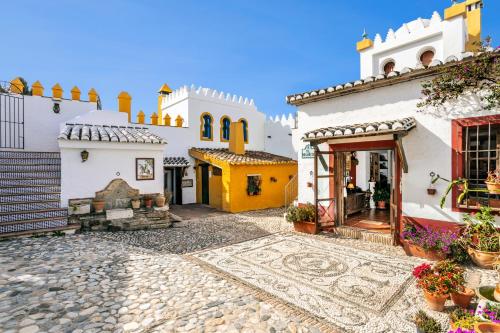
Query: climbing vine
x=479 y=76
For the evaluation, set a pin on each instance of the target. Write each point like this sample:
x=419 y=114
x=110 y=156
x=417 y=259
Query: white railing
x=291 y=190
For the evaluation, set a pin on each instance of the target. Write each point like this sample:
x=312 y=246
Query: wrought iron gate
x=11 y=116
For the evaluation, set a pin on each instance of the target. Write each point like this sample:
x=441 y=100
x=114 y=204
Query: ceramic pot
x=431 y=191
x=435 y=302
x=136 y=203
x=381 y=204
x=148 y=202
x=463 y=298
x=160 y=200
x=487 y=327
x=305 y=227
x=414 y=250
x=98 y=205
x=496 y=293
x=493 y=188
x=483 y=259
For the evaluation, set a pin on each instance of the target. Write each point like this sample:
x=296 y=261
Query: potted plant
x=160 y=200
x=482 y=238
x=426 y=324
x=493 y=181
x=461 y=319
x=303 y=218
x=428 y=243
x=381 y=196
x=148 y=201
x=436 y=283
x=460 y=294
x=98 y=205
x=136 y=202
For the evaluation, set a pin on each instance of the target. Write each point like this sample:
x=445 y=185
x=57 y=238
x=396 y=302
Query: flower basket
x=413 y=250
x=482 y=258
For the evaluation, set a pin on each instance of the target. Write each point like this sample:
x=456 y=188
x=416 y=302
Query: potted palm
x=303 y=218
x=381 y=196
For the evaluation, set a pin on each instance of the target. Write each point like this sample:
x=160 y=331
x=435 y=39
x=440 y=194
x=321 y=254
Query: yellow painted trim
x=248 y=129
x=37 y=89
x=222 y=126
x=202 y=138
x=236 y=142
x=212 y=159
x=154 y=119
x=455 y=10
x=140 y=117
x=364 y=44
x=471 y=2
x=57 y=91
x=473 y=18
x=75 y=93
x=179 y=121
x=93 y=95
x=125 y=103
x=167 y=120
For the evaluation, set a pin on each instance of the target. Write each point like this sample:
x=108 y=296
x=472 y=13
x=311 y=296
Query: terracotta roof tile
x=251 y=157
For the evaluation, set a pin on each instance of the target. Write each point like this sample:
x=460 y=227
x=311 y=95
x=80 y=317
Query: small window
x=206 y=126
x=216 y=171
x=254 y=183
x=389 y=67
x=245 y=130
x=426 y=57
x=225 y=126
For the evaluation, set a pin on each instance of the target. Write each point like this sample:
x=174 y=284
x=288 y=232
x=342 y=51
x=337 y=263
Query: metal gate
x=11 y=116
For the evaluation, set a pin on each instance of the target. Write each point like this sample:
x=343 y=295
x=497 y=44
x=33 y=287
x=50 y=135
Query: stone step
x=30 y=161
x=36 y=227
x=29 y=174
x=8 y=168
x=28 y=190
x=21 y=198
x=369 y=236
x=17 y=207
x=24 y=182
x=28 y=154
x=35 y=214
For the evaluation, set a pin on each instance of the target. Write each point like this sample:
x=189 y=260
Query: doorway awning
x=397 y=126
x=170 y=161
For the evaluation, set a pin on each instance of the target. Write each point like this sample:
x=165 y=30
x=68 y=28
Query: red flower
x=421 y=270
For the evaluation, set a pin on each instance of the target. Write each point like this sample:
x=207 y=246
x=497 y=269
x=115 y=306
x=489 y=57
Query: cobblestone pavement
x=135 y=282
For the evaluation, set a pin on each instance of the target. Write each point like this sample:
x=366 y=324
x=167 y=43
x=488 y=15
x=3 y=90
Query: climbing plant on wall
x=478 y=76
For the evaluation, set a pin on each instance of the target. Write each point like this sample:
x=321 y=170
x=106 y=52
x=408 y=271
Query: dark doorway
x=173 y=184
x=205 y=198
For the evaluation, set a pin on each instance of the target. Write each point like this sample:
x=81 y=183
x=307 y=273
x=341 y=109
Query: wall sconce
x=273 y=180
x=85 y=155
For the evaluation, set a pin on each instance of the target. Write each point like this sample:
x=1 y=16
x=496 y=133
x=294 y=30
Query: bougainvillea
x=478 y=76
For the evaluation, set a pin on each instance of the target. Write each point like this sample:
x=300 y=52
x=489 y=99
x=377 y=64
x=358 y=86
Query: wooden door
x=205 y=198
x=394 y=201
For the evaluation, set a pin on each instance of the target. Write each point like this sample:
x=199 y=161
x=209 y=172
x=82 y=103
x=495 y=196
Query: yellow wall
x=272 y=194
x=215 y=190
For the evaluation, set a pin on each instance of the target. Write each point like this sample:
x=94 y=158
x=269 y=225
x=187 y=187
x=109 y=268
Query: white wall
x=106 y=162
x=428 y=146
x=41 y=124
x=278 y=136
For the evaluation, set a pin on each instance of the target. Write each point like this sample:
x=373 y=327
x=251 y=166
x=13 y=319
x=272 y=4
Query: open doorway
x=173 y=184
x=368 y=183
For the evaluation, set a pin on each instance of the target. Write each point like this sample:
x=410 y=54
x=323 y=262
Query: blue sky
x=259 y=49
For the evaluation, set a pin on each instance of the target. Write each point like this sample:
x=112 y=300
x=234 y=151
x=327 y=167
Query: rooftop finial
x=364 y=35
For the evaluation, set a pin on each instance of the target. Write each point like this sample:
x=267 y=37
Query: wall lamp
x=85 y=155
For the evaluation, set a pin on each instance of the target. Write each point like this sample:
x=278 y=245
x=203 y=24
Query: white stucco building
x=370 y=133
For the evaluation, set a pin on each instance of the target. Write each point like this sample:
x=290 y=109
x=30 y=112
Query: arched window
x=245 y=129
x=426 y=57
x=225 y=125
x=206 y=127
x=389 y=67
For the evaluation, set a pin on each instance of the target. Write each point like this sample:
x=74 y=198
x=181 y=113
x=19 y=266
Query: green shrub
x=306 y=213
x=427 y=324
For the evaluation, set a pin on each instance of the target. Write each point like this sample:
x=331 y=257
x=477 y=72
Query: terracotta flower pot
x=463 y=298
x=98 y=205
x=483 y=259
x=496 y=293
x=431 y=191
x=381 y=204
x=435 y=302
x=493 y=188
x=412 y=249
x=160 y=200
x=136 y=203
x=487 y=327
x=305 y=227
x=148 y=202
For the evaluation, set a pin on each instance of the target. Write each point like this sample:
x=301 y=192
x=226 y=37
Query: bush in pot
x=460 y=294
x=381 y=196
x=303 y=218
x=482 y=238
x=426 y=324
